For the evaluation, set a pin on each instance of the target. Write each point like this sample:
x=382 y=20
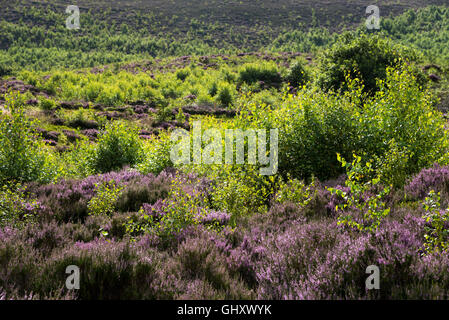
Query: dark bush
x=253 y=73
x=365 y=57
x=297 y=74
x=5 y=70
x=108 y=271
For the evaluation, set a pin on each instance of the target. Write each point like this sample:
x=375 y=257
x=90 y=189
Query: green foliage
x=297 y=74
x=179 y=210
x=254 y=73
x=303 y=41
x=182 y=210
x=436 y=237
x=156 y=155
x=82 y=118
x=241 y=191
x=365 y=57
x=139 y=224
x=401 y=118
x=5 y=70
x=104 y=202
x=47 y=104
x=425 y=29
x=164 y=114
x=315 y=126
x=182 y=74
x=225 y=97
x=180 y=116
x=23 y=155
x=213 y=89
x=48 y=45
x=118 y=145
x=79 y=160
x=393 y=166
x=398 y=127
x=359 y=200
x=296 y=191
x=16 y=208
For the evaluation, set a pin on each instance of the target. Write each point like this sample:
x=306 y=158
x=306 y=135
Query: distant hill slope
x=252 y=20
x=34 y=36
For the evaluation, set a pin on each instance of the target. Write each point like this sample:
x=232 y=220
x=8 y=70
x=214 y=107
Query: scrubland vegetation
x=87 y=179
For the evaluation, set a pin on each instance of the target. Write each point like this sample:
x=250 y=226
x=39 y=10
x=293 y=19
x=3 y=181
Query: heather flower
x=155 y=210
x=219 y=217
x=435 y=178
x=92 y=134
x=68 y=199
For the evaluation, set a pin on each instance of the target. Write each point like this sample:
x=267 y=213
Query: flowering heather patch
x=68 y=199
x=435 y=178
x=267 y=259
x=222 y=218
x=92 y=134
x=285 y=253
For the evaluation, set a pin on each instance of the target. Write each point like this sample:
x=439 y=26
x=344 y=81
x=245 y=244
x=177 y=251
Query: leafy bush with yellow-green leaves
x=24 y=156
x=156 y=155
x=118 y=145
x=116 y=88
x=436 y=236
x=16 y=207
x=241 y=190
x=185 y=206
x=364 y=207
x=314 y=126
x=105 y=199
x=297 y=75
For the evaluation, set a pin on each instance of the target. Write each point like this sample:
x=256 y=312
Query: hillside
x=237 y=150
x=34 y=33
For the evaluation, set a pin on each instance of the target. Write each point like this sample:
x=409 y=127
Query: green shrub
x=213 y=89
x=294 y=190
x=178 y=211
x=47 y=104
x=111 y=96
x=182 y=74
x=397 y=127
x=321 y=128
x=364 y=211
x=253 y=73
x=366 y=57
x=400 y=125
x=118 y=145
x=436 y=237
x=104 y=202
x=16 y=209
x=79 y=160
x=240 y=191
x=23 y=155
x=313 y=128
x=393 y=166
x=297 y=74
x=182 y=210
x=156 y=156
x=5 y=70
x=92 y=91
x=225 y=97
